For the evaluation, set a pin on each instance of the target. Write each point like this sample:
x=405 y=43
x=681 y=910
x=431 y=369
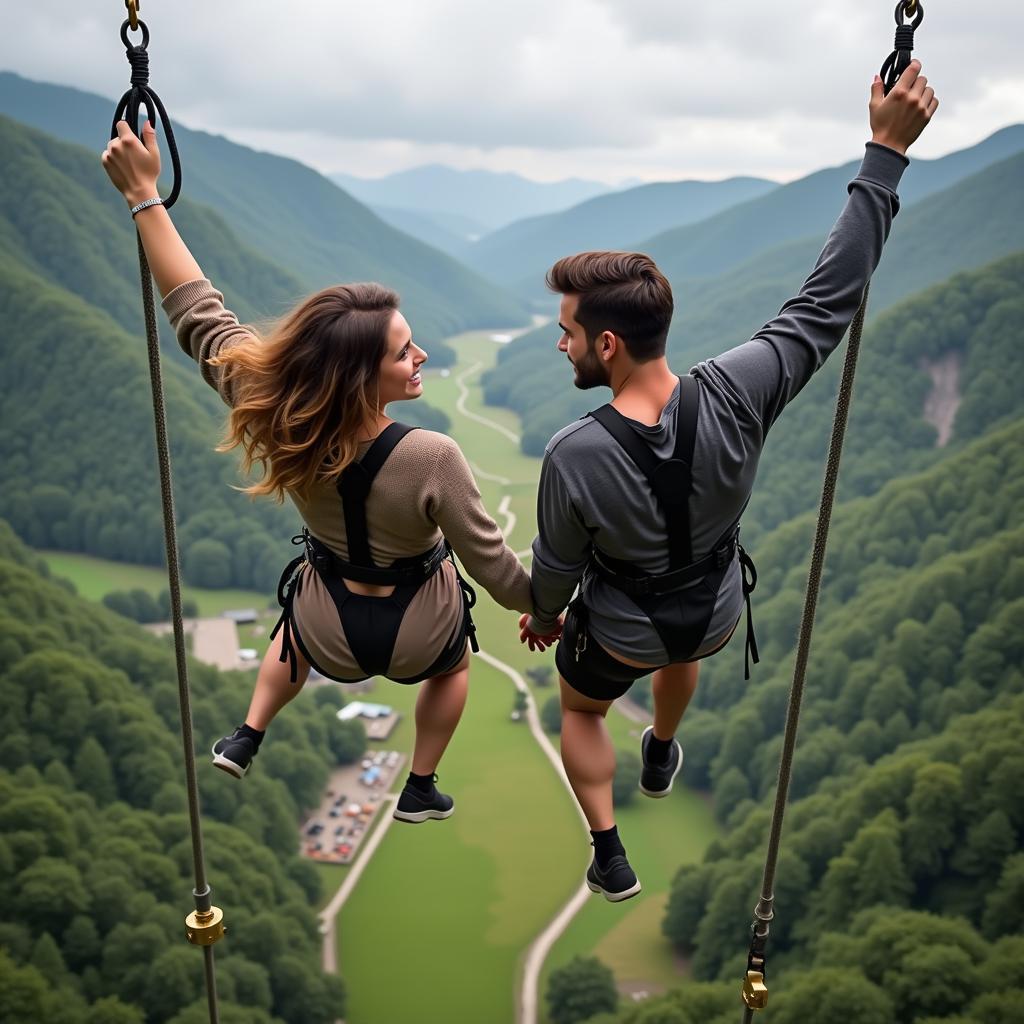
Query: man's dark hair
x=621 y=292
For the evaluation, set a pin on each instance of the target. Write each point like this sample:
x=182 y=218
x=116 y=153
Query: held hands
x=899 y=118
x=133 y=166
x=536 y=641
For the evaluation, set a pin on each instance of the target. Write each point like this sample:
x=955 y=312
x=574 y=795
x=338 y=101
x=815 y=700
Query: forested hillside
x=519 y=255
x=78 y=470
x=94 y=849
x=79 y=467
x=313 y=229
x=958 y=229
x=900 y=887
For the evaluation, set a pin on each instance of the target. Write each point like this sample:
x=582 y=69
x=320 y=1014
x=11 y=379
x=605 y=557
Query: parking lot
x=334 y=831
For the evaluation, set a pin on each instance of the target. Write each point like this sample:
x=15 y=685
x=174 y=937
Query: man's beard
x=591 y=372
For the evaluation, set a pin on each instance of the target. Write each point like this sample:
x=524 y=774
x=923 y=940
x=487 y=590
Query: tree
x=93 y=772
x=583 y=987
x=730 y=789
x=347 y=740
x=627 y=775
x=207 y=563
x=1004 y=905
x=551 y=715
x=50 y=893
x=824 y=995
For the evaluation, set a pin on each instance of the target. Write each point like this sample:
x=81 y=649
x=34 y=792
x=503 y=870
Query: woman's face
x=400 y=368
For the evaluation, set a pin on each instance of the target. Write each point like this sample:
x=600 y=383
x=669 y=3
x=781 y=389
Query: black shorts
x=595 y=673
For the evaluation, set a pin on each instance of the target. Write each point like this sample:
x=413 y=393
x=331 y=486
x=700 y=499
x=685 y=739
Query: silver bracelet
x=142 y=206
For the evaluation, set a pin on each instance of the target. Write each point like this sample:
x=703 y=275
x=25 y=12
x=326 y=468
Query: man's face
x=590 y=371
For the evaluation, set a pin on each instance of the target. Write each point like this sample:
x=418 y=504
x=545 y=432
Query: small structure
x=241 y=616
x=360 y=709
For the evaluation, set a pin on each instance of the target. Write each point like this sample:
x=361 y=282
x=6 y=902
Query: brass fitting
x=133 y=13
x=755 y=991
x=205 y=927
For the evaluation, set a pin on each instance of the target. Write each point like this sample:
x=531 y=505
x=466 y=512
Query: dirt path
x=329 y=914
x=460 y=383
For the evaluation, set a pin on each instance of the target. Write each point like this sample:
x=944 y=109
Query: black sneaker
x=656 y=779
x=617 y=882
x=233 y=754
x=415 y=806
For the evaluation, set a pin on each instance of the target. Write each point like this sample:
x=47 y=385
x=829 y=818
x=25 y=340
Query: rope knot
x=904 y=38
x=138 y=57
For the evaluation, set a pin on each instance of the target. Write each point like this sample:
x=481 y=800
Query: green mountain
x=75 y=383
x=94 y=838
x=79 y=470
x=487 y=198
x=278 y=206
x=518 y=255
x=952 y=230
x=807 y=207
x=60 y=218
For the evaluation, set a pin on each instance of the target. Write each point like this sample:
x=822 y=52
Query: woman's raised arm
x=134 y=168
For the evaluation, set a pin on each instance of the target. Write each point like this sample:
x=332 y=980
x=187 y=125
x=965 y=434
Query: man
x=640 y=502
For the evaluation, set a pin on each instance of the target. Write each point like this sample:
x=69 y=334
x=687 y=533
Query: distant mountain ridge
x=806 y=207
x=519 y=254
x=287 y=211
x=488 y=198
x=956 y=229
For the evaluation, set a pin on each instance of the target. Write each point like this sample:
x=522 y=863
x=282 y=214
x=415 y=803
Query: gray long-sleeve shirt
x=591 y=492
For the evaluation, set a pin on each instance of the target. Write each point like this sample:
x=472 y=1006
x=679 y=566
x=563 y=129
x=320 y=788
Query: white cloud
x=595 y=88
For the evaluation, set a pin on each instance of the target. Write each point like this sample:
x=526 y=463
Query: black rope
x=899 y=60
x=140 y=96
x=128 y=109
x=764 y=912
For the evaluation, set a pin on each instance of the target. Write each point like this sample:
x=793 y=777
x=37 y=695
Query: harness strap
x=402 y=571
x=622 y=575
x=468 y=600
x=286 y=589
x=354 y=488
x=670 y=479
x=749 y=573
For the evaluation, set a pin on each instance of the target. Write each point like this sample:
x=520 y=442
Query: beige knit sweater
x=424 y=490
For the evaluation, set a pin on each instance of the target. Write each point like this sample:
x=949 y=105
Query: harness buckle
x=581 y=643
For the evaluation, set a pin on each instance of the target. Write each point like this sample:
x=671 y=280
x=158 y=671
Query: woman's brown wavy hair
x=301 y=395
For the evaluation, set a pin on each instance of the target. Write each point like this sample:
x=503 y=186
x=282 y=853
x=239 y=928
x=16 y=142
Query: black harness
x=371 y=624
x=680 y=602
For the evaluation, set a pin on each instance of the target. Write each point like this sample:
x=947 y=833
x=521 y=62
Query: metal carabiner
x=133 y=13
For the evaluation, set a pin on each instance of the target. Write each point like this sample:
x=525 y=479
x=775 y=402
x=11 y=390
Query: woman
x=376 y=591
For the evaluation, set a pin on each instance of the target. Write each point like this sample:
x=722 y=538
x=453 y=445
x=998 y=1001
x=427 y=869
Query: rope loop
x=899 y=60
x=140 y=96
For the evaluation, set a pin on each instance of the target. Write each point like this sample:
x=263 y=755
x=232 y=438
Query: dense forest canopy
x=94 y=846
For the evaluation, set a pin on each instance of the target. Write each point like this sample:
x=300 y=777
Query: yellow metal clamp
x=133 y=13
x=205 y=927
x=911 y=8
x=755 y=991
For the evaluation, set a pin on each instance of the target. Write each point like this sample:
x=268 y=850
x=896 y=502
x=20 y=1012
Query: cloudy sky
x=603 y=89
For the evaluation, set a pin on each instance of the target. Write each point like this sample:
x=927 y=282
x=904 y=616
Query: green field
x=94 y=577
x=456 y=902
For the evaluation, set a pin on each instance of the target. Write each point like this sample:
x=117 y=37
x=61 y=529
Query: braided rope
x=128 y=107
x=763 y=913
